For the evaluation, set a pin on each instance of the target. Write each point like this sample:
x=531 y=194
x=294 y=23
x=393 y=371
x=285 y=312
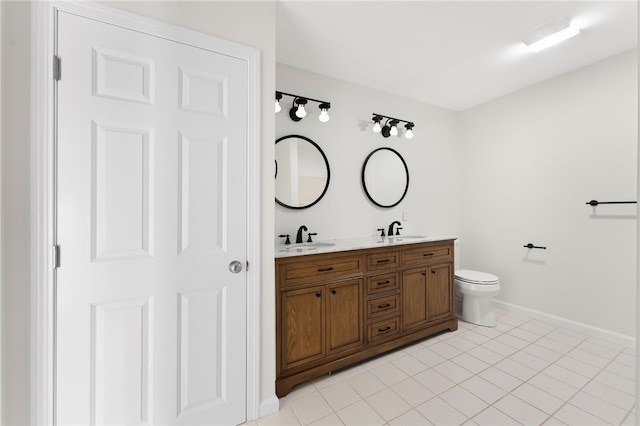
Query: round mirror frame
x=326 y=162
x=364 y=183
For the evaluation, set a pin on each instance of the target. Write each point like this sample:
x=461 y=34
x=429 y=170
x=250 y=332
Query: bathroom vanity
x=342 y=302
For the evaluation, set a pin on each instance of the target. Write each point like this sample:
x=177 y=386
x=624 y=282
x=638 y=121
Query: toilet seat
x=476 y=277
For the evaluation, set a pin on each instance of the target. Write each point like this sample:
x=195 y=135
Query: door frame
x=43 y=216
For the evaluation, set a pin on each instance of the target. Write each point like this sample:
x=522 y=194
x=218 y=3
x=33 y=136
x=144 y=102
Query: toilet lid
x=475 y=277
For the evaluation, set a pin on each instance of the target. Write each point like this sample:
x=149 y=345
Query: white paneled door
x=151 y=216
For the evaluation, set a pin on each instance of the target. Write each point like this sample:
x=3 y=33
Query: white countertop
x=330 y=246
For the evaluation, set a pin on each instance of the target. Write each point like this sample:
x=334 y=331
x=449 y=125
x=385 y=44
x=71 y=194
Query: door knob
x=235 y=267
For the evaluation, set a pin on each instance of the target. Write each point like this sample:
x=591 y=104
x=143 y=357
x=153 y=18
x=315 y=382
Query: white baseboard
x=269 y=406
x=600 y=333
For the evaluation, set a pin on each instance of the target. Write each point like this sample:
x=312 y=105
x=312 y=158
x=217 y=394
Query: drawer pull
x=384 y=283
x=382 y=330
x=325 y=269
x=386 y=305
x=384 y=260
x=428 y=254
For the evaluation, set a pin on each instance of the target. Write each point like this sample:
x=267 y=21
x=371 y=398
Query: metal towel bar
x=596 y=202
x=531 y=246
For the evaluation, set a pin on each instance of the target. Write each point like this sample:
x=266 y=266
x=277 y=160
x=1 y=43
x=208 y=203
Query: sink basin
x=306 y=246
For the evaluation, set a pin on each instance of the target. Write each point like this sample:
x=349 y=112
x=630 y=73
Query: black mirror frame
x=364 y=184
x=326 y=162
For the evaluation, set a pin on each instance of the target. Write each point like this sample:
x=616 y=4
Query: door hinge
x=247 y=265
x=56 y=257
x=57 y=68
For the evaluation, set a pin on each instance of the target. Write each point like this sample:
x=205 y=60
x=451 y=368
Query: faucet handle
x=381 y=231
x=288 y=241
x=398 y=230
x=309 y=240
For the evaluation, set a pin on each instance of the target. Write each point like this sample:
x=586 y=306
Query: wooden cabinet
x=427 y=295
x=335 y=309
x=344 y=316
x=320 y=320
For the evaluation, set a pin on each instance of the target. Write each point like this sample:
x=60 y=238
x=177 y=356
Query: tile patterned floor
x=524 y=371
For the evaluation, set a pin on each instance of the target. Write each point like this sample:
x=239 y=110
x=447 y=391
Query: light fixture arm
x=382 y=117
x=279 y=93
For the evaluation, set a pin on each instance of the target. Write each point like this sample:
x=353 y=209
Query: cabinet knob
x=433 y=271
x=424 y=274
x=333 y=291
x=318 y=294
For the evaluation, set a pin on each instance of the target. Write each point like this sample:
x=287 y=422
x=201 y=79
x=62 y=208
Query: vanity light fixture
x=298 y=111
x=390 y=127
x=551 y=33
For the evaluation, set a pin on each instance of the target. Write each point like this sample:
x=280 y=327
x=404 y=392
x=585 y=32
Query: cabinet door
x=303 y=315
x=439 y=294
x=414 y=298
x=345 y=325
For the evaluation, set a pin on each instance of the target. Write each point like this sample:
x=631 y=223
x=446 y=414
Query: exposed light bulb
x=394 y=130
x=301 y=112
x=278 y=107
x=409 y=132
x=377 y=127
x=324 y=115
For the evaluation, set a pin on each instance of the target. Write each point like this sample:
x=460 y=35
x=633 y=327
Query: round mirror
x=302 y=172
x=385 y=177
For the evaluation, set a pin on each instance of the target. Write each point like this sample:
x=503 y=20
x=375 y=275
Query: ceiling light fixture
x=390 y=127
x=298 y=111
x=551 y=33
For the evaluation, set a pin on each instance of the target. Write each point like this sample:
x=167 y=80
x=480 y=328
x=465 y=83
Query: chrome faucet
x=299 y=235
x=390 y=233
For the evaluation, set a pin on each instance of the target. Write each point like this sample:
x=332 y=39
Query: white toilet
x=474 y=290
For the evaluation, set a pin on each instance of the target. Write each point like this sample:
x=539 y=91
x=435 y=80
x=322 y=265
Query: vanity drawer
x=381 y=283
x=383 y=306
x=427 y=255
x=319 y=270
x=382 y=260
x=383 y=329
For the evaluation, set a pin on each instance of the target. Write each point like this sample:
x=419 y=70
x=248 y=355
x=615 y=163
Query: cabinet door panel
x=345 y=317
x=439 y=301
x=414 y=298
x=302 y=326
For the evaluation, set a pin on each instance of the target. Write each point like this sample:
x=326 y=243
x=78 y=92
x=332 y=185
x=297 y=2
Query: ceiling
x=453 y=54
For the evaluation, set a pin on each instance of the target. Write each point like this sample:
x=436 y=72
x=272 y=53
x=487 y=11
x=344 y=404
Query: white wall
x=531 y=160
x=432 y=202
x=249 y=23
x=15 y=214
